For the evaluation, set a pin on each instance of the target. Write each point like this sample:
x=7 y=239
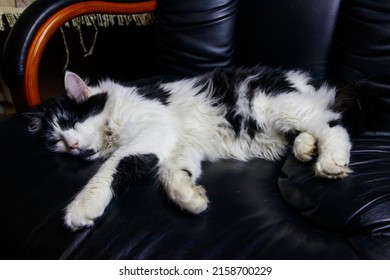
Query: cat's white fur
x=188 y=130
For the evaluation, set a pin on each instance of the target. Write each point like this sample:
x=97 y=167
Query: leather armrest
x=357 y=204
x=27 y=40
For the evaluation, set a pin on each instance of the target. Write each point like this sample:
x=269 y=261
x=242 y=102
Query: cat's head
x=72 y=123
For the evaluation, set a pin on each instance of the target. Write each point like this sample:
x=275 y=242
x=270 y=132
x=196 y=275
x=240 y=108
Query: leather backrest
x=346 y=40
x=195 y=36
x=362 y=43
x=287 y=33
x=361 y=55
x=198 y=35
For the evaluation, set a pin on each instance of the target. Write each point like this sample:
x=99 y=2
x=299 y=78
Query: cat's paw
x=305 y=147
x=333 y=166
x=82 y=213
x=85 y=209
x=192 y=199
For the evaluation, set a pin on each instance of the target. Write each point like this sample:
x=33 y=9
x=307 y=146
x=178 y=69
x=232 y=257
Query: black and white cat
x=239 y=113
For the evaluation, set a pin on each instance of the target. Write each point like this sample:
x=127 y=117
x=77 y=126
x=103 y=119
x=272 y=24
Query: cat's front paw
x=85 y=209
x=193 y=199
x=81 y=213
x=333 y=166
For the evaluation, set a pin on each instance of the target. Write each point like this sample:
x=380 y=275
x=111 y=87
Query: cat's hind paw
x=305 y=147
x=333 y=166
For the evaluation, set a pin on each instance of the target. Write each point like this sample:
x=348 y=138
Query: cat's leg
x=331 y=143
x=178 y=176
x=334 y=148
x=310 y=115
x=113 y=176
x=90 y=202
x=305 y=147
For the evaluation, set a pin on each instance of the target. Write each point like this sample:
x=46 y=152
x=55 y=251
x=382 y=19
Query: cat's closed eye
x=53 y=141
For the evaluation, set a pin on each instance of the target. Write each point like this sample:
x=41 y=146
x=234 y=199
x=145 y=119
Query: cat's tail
x=360 y=108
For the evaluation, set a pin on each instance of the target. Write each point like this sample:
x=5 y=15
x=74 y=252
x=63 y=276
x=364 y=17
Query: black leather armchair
x=259 y=209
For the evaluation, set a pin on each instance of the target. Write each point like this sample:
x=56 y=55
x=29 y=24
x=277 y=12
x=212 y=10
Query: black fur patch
x=271 y=82
x=227 y=82
x=68 y=112
x=155 y=92
x=251 y=127
x=92 y=106
x=130 y=169
x=224 y=82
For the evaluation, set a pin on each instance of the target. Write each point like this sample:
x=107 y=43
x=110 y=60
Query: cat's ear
x=75 y=87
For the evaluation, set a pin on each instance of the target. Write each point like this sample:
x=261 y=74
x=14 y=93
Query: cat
x=233 y=113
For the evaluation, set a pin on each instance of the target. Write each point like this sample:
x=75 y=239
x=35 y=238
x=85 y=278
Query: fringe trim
x=8 y=16
x=101 y=20
x=106 y=20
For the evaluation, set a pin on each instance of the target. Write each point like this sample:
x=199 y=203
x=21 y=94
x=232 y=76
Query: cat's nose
x=74 y=145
